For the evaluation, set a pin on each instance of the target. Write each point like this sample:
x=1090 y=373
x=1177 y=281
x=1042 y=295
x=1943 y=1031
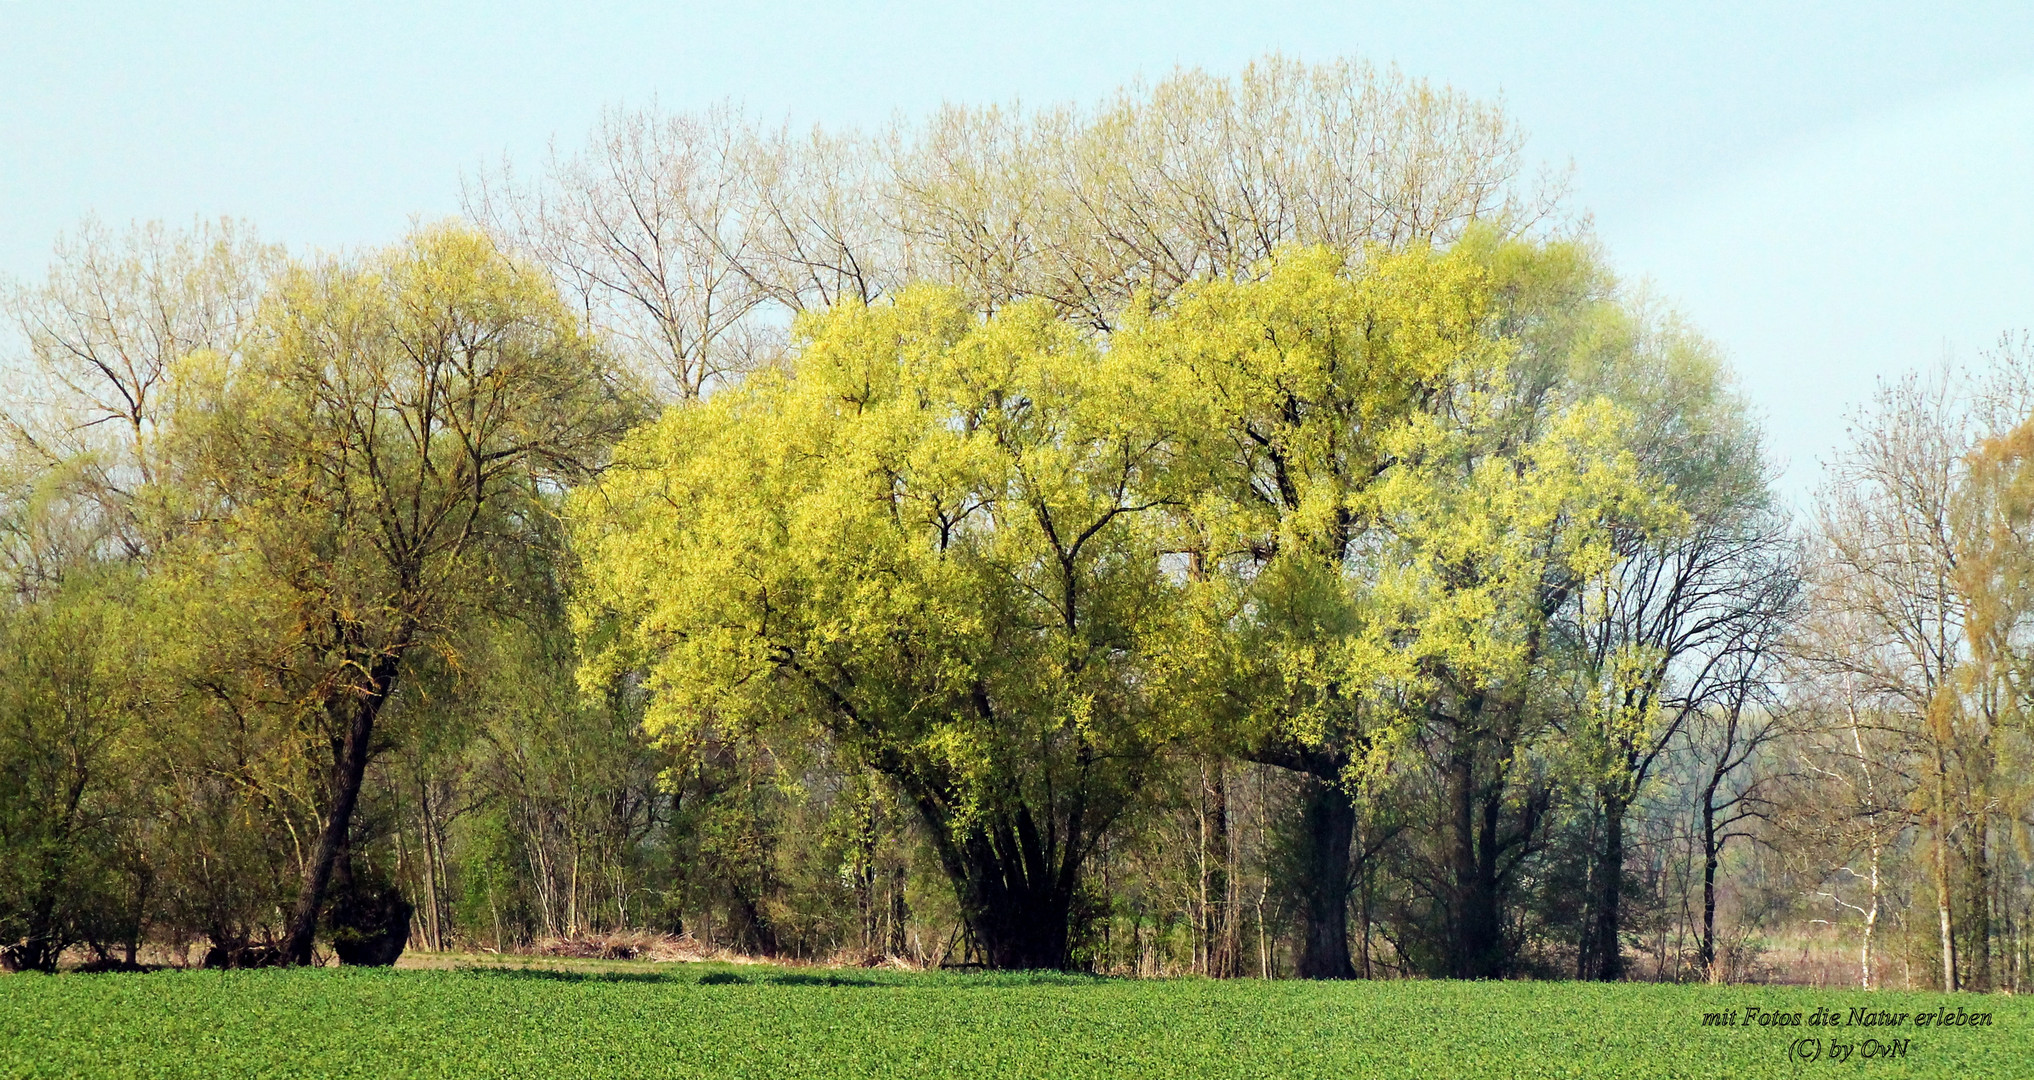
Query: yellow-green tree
x=1308 y=518
x=1303 y=385
x=1391 y=505
x=1676 y=645
x=934 y=544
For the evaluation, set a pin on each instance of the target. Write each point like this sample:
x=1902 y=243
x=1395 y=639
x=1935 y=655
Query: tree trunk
x=1477 y=931
x=1018 y=916
x=349 y=769
x=41 y=949
x=435 y=871
x=1944 y=923
x=752 y=929
x=1024 y=930
x=1018 y=907
x=1015 y=886
x=1871 y=916
x=899 y=912
x=1203 y=929
x=1328 y=824
x=1606 y=948
x=432 y=939
x=1873 y=851
x=1710 y=970
x=1978 y=918
x=1216 y=925
x=1224 y=961
x=1363 y=896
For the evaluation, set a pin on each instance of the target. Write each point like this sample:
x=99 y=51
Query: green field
x=719 y=1021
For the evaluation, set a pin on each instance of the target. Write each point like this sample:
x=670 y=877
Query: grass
x=713 y=1020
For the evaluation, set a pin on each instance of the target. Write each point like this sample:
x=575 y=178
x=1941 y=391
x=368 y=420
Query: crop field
x=709 y=1020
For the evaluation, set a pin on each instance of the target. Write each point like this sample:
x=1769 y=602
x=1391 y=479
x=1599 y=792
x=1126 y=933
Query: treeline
x=1241 y=528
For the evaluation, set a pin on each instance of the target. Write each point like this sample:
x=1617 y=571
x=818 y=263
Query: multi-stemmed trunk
x=1016 y=887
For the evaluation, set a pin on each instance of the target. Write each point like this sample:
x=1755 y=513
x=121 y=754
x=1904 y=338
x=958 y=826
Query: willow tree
x=1530 y=487
x=1500 y=540
x=932 y=545
x=1303 y=384
x=1389 y=509
x=71 y=712
x=388 y=425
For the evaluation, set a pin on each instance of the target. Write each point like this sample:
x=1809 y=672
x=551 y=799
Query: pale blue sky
x=1833 y=192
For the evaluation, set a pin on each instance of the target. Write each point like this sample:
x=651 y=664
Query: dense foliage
x=1242 y=528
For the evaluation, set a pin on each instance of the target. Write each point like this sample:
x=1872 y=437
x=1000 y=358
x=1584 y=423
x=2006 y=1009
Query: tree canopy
x=1240 y=525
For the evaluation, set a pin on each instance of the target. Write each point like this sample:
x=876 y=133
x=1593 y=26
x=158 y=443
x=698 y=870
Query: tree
x=1684 y=628
x=1200 y=177
x=1506 y=542
x=1889 y=619
x=80 y=519
x=695 y=238
x=1537 y=482
x=1391 y=506
x=387 y=425
x=70 y=710
x=1992 y=519
x=1918 y=611
x=104 y=332
x=1733 y=718
x=1854 y=803
x=649 y=232
x=929 y=545
x=1303 y=384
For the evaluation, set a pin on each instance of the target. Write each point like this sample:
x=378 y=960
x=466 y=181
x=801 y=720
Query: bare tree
x=646 y=230
x=1730 y=737
x=103 y=333
x=695 y=239
x=1680 y=639
x=1853 y=804
x=1889 y=621
x=815 y=218
x=1199 y=176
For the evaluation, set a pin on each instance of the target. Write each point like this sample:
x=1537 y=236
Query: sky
x=1834 y=193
